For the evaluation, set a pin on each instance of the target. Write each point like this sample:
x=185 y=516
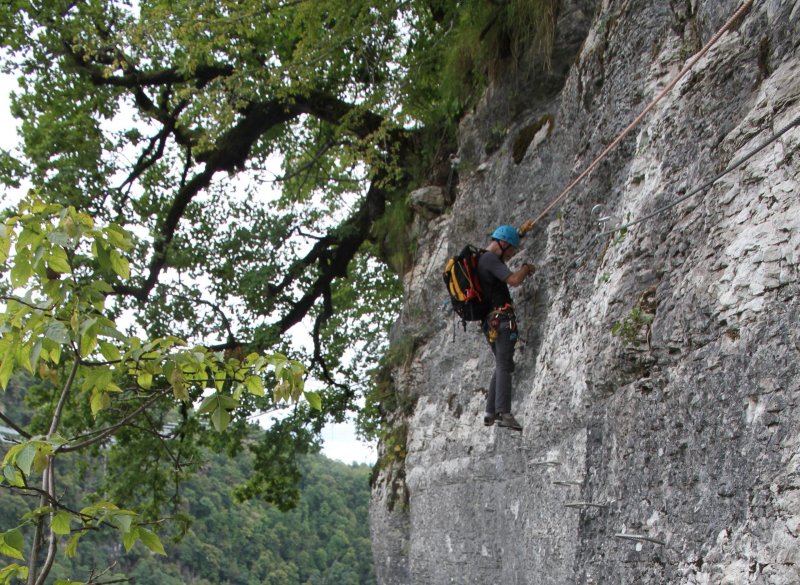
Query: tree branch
x=231 y=154
x=34 y=491
x=19 y=430
x=53 y=541
x=319 y=358
x=146 y=160
x=308 y=165
x=63 y=399
x=132 y=78
x=67 y=448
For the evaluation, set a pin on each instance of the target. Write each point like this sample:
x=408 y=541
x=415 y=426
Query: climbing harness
x=527 y=226
x=496 y=318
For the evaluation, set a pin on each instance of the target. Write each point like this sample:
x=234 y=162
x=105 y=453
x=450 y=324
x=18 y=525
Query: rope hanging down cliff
x=740 y=12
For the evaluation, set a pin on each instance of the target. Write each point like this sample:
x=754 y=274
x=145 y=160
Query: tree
x=97 y=381
x=260 y=151
x=168 y=119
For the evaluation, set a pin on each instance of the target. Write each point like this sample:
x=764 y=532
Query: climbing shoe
x=488 y=419
x=507 y=420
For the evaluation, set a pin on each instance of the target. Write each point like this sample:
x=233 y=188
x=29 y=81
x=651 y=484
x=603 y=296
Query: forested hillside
x=325 y=539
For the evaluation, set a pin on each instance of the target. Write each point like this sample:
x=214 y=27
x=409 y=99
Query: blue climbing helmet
x=508 y=234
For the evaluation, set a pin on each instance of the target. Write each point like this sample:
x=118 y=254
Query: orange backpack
x=464 y=287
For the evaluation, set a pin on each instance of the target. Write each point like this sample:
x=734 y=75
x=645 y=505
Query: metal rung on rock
x=639 y=538
x=585 y=505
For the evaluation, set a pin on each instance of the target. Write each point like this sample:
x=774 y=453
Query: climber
x=500 y=325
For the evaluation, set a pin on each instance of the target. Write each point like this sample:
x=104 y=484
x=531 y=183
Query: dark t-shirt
x=493 y=274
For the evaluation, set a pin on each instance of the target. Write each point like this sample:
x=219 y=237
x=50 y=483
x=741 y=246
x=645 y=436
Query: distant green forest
x=324 y=540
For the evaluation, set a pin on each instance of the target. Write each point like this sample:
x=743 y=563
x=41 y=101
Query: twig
x=11 y=423
x=26 y=303
x=66 y=448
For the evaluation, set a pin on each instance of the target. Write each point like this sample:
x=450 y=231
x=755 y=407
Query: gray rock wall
x=659 y=384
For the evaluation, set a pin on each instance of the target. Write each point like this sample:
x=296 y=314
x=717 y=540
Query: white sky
x=340 y=440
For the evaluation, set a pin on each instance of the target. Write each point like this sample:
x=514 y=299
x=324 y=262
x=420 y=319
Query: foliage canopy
x=220 y=197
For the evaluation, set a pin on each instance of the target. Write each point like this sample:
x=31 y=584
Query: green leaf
x=145 y=380
x=29 y=237
x=120 y=265
x=124 y=522
x=88 y=343
x=13 y=571
x=7 y=368
x=179 y=389
x=21 y=271
x=13 y=476
x=58 y=261
x=40 y=458
x=35 y=353
x=129 y=539
x=100 y=252
x=23 y=458
x=72 y=545
x=55 y=353
x=281 y=391
x=98 y=377
x=60 y=524
x=110 y=351
x=5 y=242
x=297 y=384
x=228 y=402
x=118 y=237
x=24 y=356
x=208 y=404
x=255 y=385
x=14 y=539
x=314 y=399
x=57 y=331
x=221 y=419
x=100 y=401
x=11 y=544
x=151 y=541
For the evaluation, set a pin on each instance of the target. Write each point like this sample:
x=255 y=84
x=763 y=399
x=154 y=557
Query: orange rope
x=527 y=226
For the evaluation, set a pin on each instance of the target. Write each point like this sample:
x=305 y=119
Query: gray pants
x=499 y=399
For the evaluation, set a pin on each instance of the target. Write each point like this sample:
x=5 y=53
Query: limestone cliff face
x=659 y=385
